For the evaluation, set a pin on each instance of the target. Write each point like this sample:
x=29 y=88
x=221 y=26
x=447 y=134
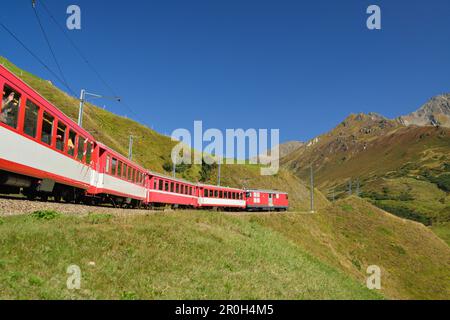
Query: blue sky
x=300 y=66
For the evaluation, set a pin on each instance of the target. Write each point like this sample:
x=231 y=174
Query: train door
x=98 y=165
x=270 y=200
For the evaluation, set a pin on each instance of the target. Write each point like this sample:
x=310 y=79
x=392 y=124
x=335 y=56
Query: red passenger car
x=220 y=197
x=266 y=200
x=42 y=152
x=117 y=179
x=162 y=190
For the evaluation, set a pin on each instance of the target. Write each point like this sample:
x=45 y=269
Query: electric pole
x=218 y=174
x=130 y=148
x=174 y=167
x=312 y=188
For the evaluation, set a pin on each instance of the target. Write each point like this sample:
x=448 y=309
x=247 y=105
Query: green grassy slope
x=352 y=235
x=188 y=255
x=152 y=150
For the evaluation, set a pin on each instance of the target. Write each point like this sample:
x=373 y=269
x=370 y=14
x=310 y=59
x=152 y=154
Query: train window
x=10 y=107
x=81 y=146
x=88 y=153
x=114 y=166
x=155 y=184
x=108 y=160
x=166 y=186
x=71 y=143
x=172 y=187
x=132 y=175
x=205 y=193
x=190 y=191
x=248 y=194
x=125 y=170
x=177 y=188
x=31 y=118
x=216 y=193
x=220 y=194
x=61 y=136
x=47 y=128
x=161 y=184
x=119 y=169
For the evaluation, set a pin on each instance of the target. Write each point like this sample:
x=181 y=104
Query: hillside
x=352 y=235
x=187 y=255
x=205 y=255
x=403 y=169
x=152 y=150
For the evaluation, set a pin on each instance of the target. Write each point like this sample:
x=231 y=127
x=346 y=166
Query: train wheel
x=31 y=196
x=57 y=197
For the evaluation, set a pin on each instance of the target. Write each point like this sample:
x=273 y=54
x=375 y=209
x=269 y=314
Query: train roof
x=160 y=175
x=120 y=157
x=266 y=191
x=218 y=187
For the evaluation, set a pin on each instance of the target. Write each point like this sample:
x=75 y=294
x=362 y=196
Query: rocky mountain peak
x=436 y=112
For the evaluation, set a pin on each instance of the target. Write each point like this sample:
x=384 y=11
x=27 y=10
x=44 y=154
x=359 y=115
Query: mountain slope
x=352 y=235
x=184 y=255
x=391 y=164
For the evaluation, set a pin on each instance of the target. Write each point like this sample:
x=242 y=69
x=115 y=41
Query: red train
x=43 y=154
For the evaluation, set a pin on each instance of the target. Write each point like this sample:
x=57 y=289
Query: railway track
x=10 y=206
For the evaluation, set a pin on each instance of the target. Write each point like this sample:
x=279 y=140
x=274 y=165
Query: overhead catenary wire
x=47 y=40
x=84 y=58
x=36 y=57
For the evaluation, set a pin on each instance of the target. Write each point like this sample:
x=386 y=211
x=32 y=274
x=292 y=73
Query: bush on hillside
x=404 y=212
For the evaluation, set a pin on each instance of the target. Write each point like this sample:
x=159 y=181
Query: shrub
x=45 y=214
x=98 y=218
x=443 y=182
x=404 y=212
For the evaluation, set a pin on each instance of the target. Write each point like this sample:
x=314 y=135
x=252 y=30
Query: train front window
x=10 y=107
x=47 y=128
x=61 y=136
